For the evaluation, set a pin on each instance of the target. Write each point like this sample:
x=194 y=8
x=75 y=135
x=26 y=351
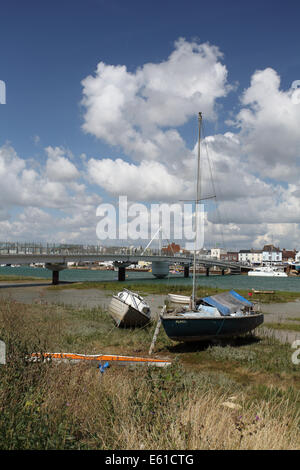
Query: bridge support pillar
x=207 y=271
x=186 y=270
x=121 y=265
x=160 y=269
x=121 y=273
x=55 y=277
x=55 y=268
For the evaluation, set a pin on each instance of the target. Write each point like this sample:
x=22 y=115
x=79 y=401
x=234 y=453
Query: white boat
x=179 y=299
x=267 y=271
x=128 y=309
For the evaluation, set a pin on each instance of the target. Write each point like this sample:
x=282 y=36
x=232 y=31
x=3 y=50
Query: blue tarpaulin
x=241 y=298
x=227 y=302
x=222 y=308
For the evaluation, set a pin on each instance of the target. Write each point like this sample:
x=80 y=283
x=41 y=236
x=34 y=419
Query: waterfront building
x=297 y=257
x=271 y=254
x=171 y=249
x=217 y=252
x=252 y=256
x=229 y=256
x=288 y=256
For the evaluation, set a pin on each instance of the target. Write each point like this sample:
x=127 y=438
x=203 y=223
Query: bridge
x=56 y=257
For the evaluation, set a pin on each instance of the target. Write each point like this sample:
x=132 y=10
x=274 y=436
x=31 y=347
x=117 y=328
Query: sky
x=102 y=99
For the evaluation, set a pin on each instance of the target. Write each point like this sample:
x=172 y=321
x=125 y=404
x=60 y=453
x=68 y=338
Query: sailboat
x=223 y=315
x=129 y=309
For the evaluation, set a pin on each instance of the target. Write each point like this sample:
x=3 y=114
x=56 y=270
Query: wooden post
x=155 y=335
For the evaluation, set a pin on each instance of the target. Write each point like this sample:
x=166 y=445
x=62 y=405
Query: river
x=291 y=284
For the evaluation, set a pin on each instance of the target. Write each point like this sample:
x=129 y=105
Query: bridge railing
x=32 y=248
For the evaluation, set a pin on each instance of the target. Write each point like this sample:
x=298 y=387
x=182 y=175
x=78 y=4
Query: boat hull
x=179 y=299
x=267 y=274
x=199 y=329
x=125 y=315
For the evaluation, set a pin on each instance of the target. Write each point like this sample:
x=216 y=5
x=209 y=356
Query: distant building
x=185 y=252
x=217 y=252
x=297 y=257
x=250 y=256
x=171 y=248
x=288 y=256
x=270 y=248
x=244 y=256
x=229 y=256
x=271 y=254
x=256 y=256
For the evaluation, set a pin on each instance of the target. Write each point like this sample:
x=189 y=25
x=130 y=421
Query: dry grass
x=65 y=406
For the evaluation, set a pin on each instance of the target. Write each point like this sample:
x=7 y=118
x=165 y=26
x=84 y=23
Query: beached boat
x=223 y=315
x=267 y=271
x=219 y=316
x=128 y=309
x=263 y=291
x=179 y=299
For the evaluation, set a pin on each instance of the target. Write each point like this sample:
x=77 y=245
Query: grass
x=277 y=297
x=238 y=394
x=283 y=326
x=13 y=277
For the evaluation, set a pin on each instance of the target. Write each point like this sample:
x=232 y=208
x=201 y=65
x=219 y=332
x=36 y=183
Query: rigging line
x=110 y=331
x=136 y=331
x=214 y=190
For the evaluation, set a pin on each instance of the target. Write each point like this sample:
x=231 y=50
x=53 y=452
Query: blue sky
x=48 y=48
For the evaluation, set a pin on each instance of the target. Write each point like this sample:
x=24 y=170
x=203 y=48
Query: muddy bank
x=29 y=292
x=280 y=313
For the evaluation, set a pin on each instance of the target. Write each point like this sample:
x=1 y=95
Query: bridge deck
x=18 y=258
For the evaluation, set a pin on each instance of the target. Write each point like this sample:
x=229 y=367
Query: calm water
x=291 y=284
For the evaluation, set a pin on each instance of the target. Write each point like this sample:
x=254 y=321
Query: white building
x=243 y=256
x=256 y=257
x=251 y=256
x=273 y=256
x=216 y=253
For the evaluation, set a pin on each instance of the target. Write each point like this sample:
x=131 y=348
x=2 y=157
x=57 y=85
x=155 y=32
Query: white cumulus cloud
x=136 y=110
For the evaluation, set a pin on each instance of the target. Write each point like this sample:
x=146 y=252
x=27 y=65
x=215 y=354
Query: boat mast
x=198 y=198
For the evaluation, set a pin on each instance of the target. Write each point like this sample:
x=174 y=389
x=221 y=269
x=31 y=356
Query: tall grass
x=185 y=406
